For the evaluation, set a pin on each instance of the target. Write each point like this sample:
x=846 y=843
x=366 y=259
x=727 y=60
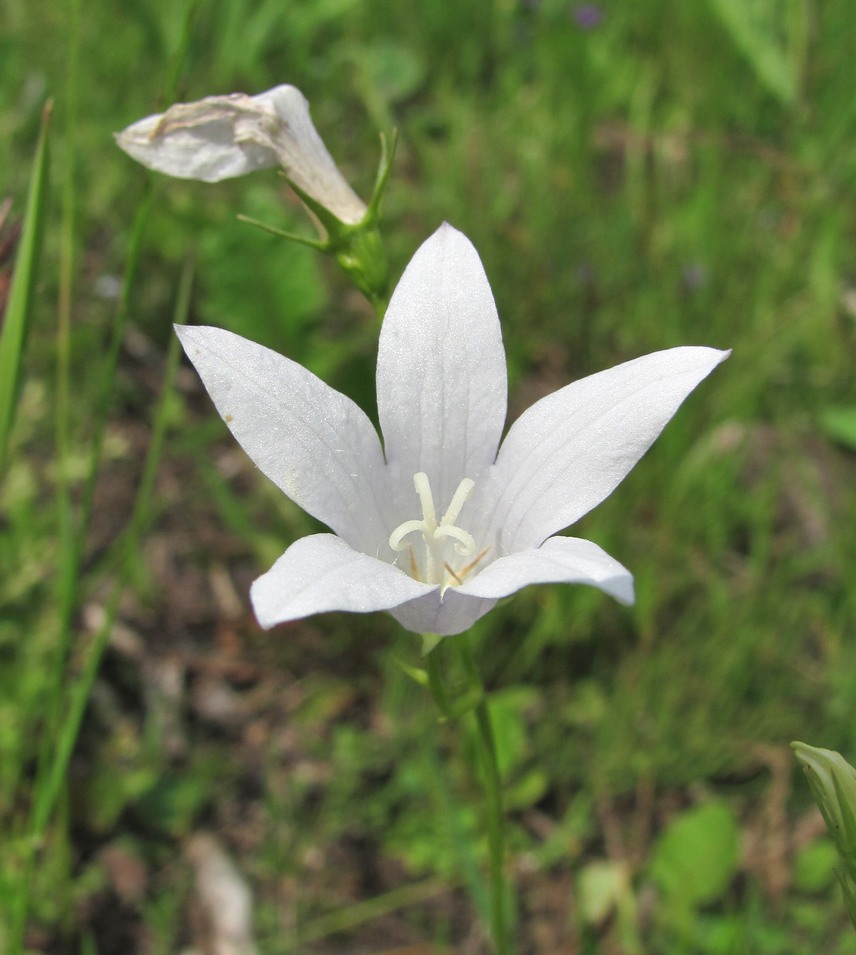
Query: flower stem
x=500 y=923
x=486 y=744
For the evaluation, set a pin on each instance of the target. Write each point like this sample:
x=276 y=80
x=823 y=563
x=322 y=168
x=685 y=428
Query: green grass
x=679 y=174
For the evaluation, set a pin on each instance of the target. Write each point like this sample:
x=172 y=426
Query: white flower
x=220 y=137
x=436 y=526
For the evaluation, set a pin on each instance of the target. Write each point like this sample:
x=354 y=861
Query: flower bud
x=832 y=781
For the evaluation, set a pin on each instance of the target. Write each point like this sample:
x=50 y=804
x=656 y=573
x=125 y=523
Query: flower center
x=435 y=567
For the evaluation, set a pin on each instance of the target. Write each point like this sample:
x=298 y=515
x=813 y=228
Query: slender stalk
x=496 y=830
x=353 y=916
x=436 y=683
x=68 y=541
x=16 y=319
x=486 y=747
x=500 y=921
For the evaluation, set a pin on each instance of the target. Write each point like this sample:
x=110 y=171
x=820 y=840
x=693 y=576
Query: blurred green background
x=636 y=174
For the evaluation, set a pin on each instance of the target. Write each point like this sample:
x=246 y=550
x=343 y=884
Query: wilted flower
x=435 y=526
x=220 y=137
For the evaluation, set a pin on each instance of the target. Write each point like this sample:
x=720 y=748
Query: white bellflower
x=437 y=525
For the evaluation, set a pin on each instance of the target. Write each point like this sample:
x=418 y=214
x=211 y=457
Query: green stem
x=436 y=684
x=486 y=745
x=495 y=831
x=500 y=924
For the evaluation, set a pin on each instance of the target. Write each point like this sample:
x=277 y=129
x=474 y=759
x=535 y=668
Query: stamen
x=452 y=573
x=435 y=537
x=465 y=570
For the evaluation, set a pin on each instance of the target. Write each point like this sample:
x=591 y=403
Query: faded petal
x=571 y=449
x=565 y=560
x=322 y=573
x=304 y=157
x=441 y=380
x=215 y=138
x=220 y=137
x=312 y=441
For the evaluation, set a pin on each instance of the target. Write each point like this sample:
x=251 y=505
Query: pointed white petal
x=215 y=138
x=453 y=614
x=441 y=380
x=571 y=449
x=312 y=441
x=322 y=573
x=566 y=560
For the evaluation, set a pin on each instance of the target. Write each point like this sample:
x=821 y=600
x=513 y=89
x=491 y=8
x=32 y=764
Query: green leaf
x=508 y=714
x=814 y=866
x=696 y=856
x=601 y=887
x=771 y=35
x=840 y=425
x=13 y=334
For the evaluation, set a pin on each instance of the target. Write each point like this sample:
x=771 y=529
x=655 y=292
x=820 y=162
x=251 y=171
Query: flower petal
x=312 y=441
x=221 y=137
x=571 y=449
x=441 y=380
x=567 y=560
x=305 y=158
x=453 y=614
x=215 y=138
x=322 y=573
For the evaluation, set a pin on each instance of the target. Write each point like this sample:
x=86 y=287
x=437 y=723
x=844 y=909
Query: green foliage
x=18 y=307
x=677 y=173
x=696 y=856
x=814 y=866
x=771 y=35
x=840 y=425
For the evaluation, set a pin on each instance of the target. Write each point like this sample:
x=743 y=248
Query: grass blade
x=770 y=35
x=13 y=334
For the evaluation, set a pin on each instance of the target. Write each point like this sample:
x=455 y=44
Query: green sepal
x=358 y=248
x=316 y=244
x=387 y=154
